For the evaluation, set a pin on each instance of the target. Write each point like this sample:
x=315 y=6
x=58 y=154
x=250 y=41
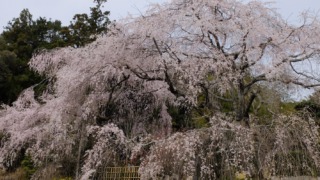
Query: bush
x=28 y=166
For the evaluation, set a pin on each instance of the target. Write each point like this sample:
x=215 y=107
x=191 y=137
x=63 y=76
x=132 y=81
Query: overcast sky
x=65 y=9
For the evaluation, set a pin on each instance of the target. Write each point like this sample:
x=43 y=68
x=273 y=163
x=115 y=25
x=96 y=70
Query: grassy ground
x=19 y=174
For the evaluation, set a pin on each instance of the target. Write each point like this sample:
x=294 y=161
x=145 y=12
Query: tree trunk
x=240 y=103
x=243 y=106
x=80 y=148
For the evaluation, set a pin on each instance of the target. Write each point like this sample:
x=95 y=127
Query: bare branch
x=155 y=42
x=303 y=74
x=259 y=78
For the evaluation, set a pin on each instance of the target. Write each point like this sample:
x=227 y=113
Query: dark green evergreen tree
x=23 y=36
x=84 y=27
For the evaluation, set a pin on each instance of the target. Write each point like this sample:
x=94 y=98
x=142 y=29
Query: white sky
x=65 y=9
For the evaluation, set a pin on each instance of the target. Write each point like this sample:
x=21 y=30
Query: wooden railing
x=121 y=173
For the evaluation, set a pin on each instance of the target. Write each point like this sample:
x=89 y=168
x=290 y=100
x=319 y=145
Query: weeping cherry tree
x=104 y=101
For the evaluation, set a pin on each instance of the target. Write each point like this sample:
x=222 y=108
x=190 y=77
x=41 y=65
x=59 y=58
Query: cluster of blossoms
x=218 y=151
x=289 y=146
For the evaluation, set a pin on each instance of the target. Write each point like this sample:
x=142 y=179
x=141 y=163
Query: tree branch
x=261 y=77
x=155 y=42
x=302 y=74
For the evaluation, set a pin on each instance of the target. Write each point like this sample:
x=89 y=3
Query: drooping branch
x=157 y=46
x=303 y=74
x=303 y=56
x=171 y=88
x=304 y=84
x=249 y=104
x=173 y=53
x=263 y=47
x=111 y=90
x=144 y=75
x=166 y=78
x=259 y=78
x=216 y=39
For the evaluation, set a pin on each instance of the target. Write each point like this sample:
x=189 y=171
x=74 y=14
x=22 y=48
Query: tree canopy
x=114 y=100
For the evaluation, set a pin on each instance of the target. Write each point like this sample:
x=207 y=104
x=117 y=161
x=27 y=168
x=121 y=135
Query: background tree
x=85 y=28
x=8 y=82
x=23 y=36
